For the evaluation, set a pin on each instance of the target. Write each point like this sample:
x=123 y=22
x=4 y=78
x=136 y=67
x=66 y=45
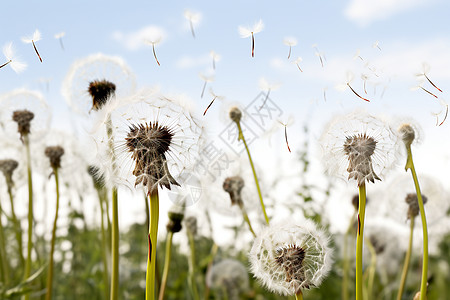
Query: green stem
x=407 y=260
x=214 y=249
x=247 y=220
x=241 y=137
x=346 y=262
x=166 y=265
x=100 y=192
x=372 y=268
x=359 y=240
x=3 y=254
x=48 y=295
x=27 y=270
x=115 y=247
x=17 y=227
x=152 y=240
x=299 y=295
x=410 y=165
x=192 y=264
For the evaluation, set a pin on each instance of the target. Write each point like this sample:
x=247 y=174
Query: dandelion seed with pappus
x=32 y=40
x=15 y=64
x=246 y=32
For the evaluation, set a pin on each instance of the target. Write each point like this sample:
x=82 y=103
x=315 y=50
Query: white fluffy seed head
x=228 y=278
x=292 y=256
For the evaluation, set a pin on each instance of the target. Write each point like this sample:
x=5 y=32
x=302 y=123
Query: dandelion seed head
x=233 y=186
x=23 y=119
x=229 y=277
x=235 y=114
x=98 y=179
x=101 y=91
x=410 y=132
x=359 y=146
x=413 y=204
x=292 y=256
x=7 y=166
x=54 y=154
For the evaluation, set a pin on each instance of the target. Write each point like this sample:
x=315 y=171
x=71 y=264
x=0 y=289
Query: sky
x=378 y=47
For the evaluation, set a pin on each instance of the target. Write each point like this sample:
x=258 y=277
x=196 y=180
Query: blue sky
x=409 y=33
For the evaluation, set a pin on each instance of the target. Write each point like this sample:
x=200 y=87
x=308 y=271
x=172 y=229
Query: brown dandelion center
x=359 y=148
x=235 y=114
x=7 y=166
x=149 y=143
x=54 y=154
x=101 y=91
x=233 y=185
x=413 y=204
x=23 y=119
x=291 y=258
x=407 y=133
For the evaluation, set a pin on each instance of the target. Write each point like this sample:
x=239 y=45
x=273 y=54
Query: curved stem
x=152 y=240
x=359 y=240
x=48 y=295
x=247 y=220
x=241 y=137
x=346 y=263
x=115 y=247
x=423 y=285
x=17 y=227
x=166 y=265
x=27 y=270
x=407 y=260
x=192 y=281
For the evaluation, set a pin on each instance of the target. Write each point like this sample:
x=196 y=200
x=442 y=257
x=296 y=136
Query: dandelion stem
x=152 y=240
x=299 y=295
x=36 y=50
x=16 y=222
x=48 y=295
x=6 y=63
x=3 y=254
x=241 y=137
x=101 y=197
x=253 y=45
x=166 y=264
x=407 y=260
x=27 y=271
x=410 y=165
x=247 y=220
x=154 y=54
x=115 y=246
x=346 y=264
x=359 y=240
x=192 y=264
x=214 y=249
x=372 y=268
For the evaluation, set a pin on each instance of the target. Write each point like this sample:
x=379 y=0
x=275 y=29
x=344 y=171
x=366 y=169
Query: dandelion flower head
x=359 y=146
x=291 y=256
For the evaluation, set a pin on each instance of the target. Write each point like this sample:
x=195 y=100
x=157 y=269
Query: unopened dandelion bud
x=54 y=154
x=101 y=91
x=413 y=204
x=407 y=133
x=176 y=216
x=191 y=224
x=233 y=185
x=7 y=166
x=23 y=119
x=235 y=114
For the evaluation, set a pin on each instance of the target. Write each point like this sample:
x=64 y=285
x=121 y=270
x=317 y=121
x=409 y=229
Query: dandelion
x=212 y=101
x=206 y=78
x=445 y=114
x=419 y=86
x=350 y=77
x=228 y=278
x=291 y=42
x=297 y=63
x=97 y=67
x=193 y=18
x=376 y=44
x=364 y=78
x=285 y=125
x=153 y=43
x=246 y=32
x=17 y=65
x=266 y=86
x=369 y=146
x=287 y=258
x=54 y=154
x=320 y=55
x=426 y=68
x=32 y=40
x=215 y=58
x=358 y=55
x=59 y=37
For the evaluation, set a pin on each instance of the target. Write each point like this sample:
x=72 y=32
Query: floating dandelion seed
x=15 y=64
x=32 y=40
x=357 y=55
x=320 y=55
x=376 y=45
x=193 y=18
x=291 y=42
x=297 y=63
x=426 y=68
x=212 y=101
x=350 y=77
x=153 y=43
x=266 y=86
x=215 y=58
x=443 y=104
x=245 y=32
x=287 y=258
x=59 y=36
x=206 y=78
x=325 y=94
x=424 y=89
x=364 y=78
x=289 y=122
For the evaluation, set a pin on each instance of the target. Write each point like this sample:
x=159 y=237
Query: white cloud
x=187 y=62
x=136 y=40
x=367 y=11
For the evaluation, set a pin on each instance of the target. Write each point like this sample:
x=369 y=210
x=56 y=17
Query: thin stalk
x=166 y=265
x=346 y=262
x=214 y=249
x=192 y=264
x=299 y=295
x=359 y=241
x=410 y=165
x=372 y=268
x=247 y=220
x=48 y=295
x=152 y=240
x=407 y=260
x=3 y=254
x=102 y=199
x=16 y=223
x=27 y=270
x=241 y=137
x=115 y=247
